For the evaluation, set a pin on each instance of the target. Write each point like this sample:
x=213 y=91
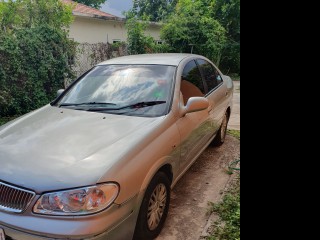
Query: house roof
x=86 y=11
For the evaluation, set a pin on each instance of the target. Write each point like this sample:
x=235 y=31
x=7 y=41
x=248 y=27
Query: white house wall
x=154 y=31
x=92 y=30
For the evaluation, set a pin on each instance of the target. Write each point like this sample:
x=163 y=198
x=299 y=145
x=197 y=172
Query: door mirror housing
x=195 y=104
x=59 y=92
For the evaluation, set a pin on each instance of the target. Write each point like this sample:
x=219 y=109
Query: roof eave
x=88 y=15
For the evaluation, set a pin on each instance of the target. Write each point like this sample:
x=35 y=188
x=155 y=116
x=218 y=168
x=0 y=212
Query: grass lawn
x=228 y=226
x=234 y=133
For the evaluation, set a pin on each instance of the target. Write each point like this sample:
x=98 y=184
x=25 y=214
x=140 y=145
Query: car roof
x=171 y=59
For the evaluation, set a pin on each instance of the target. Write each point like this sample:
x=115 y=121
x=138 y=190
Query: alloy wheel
x=157 y=205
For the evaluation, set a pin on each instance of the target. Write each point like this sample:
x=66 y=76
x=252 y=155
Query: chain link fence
x=88 y=55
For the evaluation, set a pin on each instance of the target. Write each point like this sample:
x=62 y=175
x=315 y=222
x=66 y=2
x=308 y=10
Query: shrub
x=34 y=64
x=35 y=53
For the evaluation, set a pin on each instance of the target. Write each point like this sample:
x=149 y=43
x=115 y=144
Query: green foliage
x=136 y=37
x=4 y=120
x=227 y=12
x=235 y=77
x=192 y=26
x=117 y=45
x=153 y=10
x=17 y=14
x=7 y=14
x=229 y=211
x=234 y=133
x=206 y=27
x=34 y=53
x=92 y=3
x=139 y=42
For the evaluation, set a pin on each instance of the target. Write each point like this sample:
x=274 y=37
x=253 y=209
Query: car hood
x=54 y=148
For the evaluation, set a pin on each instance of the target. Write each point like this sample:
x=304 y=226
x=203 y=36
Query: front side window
x=191 y=82
x=138 y=90
x=210 y=74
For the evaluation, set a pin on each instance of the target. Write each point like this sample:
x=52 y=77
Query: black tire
x=221 y=135
x=143 y=230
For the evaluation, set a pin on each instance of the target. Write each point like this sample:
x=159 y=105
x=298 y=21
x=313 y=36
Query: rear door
x=216 y=92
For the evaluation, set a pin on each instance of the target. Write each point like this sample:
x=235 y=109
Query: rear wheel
x=221 y=135
x=154 y=209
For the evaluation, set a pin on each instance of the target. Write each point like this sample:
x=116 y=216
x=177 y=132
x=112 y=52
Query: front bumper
x=116 y=223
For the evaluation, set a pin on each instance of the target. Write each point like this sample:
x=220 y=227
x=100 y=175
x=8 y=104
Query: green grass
x=234 y=133
x=228 y=226
x=235 y=77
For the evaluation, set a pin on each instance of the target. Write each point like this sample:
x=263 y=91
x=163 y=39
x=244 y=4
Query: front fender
x=136 y=168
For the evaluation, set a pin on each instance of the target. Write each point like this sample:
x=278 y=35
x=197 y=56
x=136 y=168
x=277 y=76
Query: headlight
x=82 y=201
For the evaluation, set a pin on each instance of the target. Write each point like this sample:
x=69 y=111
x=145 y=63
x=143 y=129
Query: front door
x=195 y=128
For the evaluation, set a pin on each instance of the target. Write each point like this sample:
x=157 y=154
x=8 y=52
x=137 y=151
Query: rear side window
x=192 y=74
x=210 y=74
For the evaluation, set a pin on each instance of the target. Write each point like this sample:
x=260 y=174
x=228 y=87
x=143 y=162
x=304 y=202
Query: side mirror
x=195 y=104
x=59 y=92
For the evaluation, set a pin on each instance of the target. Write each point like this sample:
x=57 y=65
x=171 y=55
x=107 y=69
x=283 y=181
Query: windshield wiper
x=87 y=103
x=135 y=105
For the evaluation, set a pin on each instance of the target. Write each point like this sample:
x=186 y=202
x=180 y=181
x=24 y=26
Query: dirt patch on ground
x=203 y=183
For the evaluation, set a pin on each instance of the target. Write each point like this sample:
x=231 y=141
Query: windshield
x=138 y=90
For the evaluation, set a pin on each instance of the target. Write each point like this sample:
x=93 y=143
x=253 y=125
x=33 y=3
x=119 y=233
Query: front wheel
x=154 y=209
x=221 y=135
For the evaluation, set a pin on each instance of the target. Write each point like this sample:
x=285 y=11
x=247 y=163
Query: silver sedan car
x=100 y=161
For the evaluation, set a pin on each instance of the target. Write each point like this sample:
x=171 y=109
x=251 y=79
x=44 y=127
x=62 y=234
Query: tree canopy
x=227 y=12
x=28 y=13
x=92 y=3
x=193 y=27
x=153 y=10
x=207 y=27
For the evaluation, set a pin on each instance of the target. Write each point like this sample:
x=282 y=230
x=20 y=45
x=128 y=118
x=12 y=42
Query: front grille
x=13 y=199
